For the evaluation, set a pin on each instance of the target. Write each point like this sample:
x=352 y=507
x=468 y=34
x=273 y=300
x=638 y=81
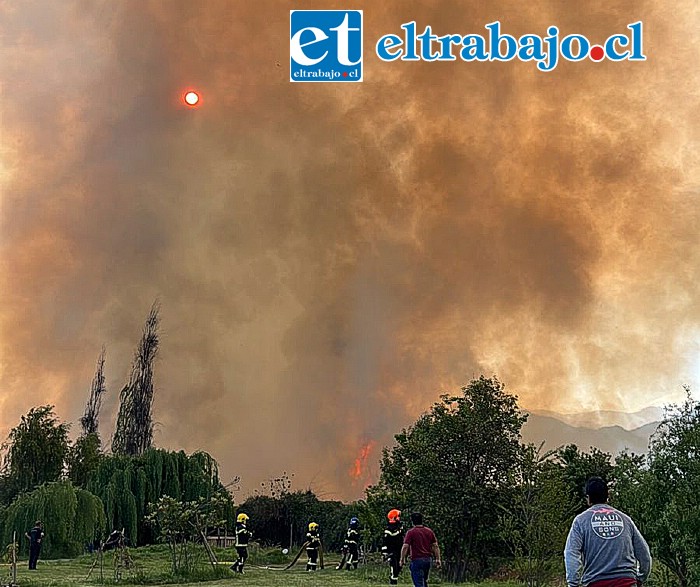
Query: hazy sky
x=331 y=257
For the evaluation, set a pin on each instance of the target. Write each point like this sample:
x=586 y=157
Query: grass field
x=152 y=567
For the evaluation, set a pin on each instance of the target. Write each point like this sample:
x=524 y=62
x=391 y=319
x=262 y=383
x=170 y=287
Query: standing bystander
x=420 y=543
x=35 y=536
x=604 y=547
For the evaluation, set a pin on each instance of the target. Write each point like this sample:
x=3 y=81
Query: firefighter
x=242 y=538
x=392 y=542
x=313 y=544
x=352 y=544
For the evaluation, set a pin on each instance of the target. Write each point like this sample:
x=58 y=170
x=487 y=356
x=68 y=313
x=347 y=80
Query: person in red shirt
x=420 y=543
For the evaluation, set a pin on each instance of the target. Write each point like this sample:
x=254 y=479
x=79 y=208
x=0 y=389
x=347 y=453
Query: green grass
x=152 y=567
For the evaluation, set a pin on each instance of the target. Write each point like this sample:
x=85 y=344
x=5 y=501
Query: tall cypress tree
x=90 y=420
x=134 y=430
x=84 y=456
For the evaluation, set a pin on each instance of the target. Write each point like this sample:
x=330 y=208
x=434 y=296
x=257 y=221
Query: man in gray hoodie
x=604 y=547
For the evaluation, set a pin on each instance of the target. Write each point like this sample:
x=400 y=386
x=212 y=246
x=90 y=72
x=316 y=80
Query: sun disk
x=191 y=98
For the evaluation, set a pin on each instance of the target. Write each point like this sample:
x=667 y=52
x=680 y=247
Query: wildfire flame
x=359 y=469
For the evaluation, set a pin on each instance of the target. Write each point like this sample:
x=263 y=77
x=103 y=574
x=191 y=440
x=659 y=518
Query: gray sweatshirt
x=604 y=543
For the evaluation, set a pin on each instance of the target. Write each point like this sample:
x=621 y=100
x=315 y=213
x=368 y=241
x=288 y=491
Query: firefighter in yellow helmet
x=243 y=536
x=392 y=541
x=313 y=544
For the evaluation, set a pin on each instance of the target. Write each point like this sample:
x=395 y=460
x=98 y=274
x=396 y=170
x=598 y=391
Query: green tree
x=85 y=454
x=127 y=484
x=274 y=519
x=72 y=518
x=631 y=480
x=535 y=522
x=35 y=452
x=373 y=513
x=181 y=524
x=454 y=465
x=671 y=492
x=581 y=466
x=83 y=459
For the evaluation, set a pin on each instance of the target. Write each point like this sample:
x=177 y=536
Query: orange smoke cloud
x=330 y=259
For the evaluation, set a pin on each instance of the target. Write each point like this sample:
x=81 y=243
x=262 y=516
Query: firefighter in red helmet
x=391 y=544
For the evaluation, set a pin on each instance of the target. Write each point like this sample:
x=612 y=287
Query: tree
x=83 y=459
x=454 y=465
x=134 y=430
x=90 y=419
x=35 y=452
x=373 y=513
x=580 y=466
x=181 y=524
x=535 y=522
x=631 y=480
x=84 y=456
x=126 y=485
x=274 y=519
x=72 y=518
x=671 y=492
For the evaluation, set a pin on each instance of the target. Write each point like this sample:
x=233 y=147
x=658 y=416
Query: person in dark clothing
x=313 y=540
x=420 y=543
x=352 y=544
x=243 y=536
x=392 y=542
x=35 y=535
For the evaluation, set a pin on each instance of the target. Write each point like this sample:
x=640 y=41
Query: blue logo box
x=325 y=45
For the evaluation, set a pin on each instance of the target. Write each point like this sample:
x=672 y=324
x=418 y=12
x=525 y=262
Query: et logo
x=325 y=45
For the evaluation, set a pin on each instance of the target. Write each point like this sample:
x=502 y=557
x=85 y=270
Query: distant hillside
x=611 y=439
x=603 y=418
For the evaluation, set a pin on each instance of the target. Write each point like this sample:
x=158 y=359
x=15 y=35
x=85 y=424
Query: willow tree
x=90 y=420
x=35 y=452
x=127 y=484
x=72 y=518
x=134 y=430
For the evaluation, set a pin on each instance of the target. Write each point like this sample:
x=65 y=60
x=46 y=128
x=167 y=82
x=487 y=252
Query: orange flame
x=360 y=467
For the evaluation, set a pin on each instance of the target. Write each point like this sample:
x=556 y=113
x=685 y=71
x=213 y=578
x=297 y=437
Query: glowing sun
x=191 y=98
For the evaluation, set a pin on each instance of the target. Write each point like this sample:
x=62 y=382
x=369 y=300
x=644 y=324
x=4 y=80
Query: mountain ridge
x=606 y=418
x=611 y=439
